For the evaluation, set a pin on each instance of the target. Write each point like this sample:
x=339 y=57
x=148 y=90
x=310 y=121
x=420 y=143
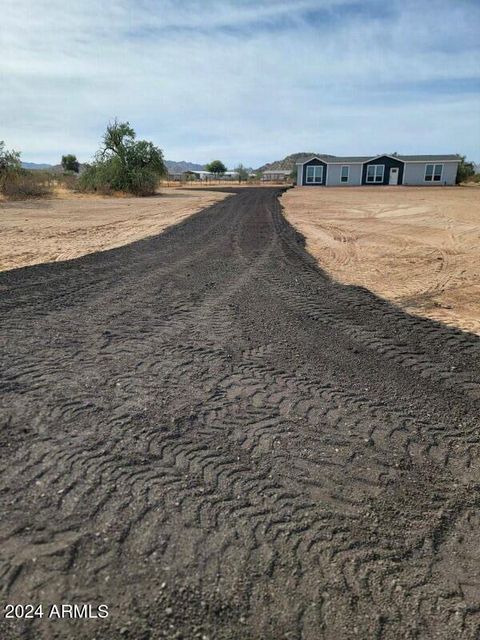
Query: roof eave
x=310 y=159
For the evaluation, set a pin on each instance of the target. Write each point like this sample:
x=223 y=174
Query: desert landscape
x=208 y=436
x=196 y=406
x=72 y=225
x=418 y=247
x=240 y=310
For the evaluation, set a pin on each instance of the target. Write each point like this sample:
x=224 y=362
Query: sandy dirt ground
x=418 y=247
x=72 y=225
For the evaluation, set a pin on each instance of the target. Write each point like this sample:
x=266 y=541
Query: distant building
x=394 y=169
x=198 y=175
x=207 y=175
x=275 y=175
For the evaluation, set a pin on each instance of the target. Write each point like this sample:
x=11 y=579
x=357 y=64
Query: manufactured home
x=380 y=170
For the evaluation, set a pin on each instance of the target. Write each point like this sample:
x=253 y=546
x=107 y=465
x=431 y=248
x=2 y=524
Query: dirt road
x=206 y=434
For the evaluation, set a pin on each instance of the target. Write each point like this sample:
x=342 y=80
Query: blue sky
x=244 y=81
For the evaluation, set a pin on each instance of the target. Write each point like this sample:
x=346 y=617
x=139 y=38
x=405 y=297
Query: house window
x=433 y=172
x=375 y=172
x=345 y=172
x=314 y=174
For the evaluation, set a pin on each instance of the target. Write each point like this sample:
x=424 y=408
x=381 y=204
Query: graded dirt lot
x=416 y=246
x=36 y=231
x=206 y=433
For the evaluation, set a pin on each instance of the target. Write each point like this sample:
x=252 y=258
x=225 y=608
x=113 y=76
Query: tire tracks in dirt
x=205 y=432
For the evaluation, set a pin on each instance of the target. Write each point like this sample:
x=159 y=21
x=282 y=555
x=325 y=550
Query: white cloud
x=245 y=82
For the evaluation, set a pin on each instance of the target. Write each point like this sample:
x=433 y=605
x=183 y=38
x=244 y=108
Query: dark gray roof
x=351 y=158
x=425 y=158
x=429 y=157
x=333 y=159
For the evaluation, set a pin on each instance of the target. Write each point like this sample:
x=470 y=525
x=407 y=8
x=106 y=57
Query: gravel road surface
x=205 y=433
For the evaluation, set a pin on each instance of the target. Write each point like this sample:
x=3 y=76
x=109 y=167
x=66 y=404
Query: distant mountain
x=289 y=161
x=173 y=167
x=179 y=167
x=36 y=166
x=40 y=166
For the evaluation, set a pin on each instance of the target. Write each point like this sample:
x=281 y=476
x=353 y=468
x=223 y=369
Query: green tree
x=216 y=167
x=116 y=139
x=9 y=160
x=124 y=163
x=242 y=172
x=9 y=164
x=465 y=170
x=70 y=163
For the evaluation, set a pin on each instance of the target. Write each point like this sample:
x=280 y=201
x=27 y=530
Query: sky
x=241 y=80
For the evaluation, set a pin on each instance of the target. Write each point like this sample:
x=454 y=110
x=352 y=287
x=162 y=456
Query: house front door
x=393 y=176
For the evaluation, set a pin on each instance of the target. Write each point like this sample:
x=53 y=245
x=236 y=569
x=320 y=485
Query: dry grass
x=20 y=185
x=72 y=225
x=416 y=246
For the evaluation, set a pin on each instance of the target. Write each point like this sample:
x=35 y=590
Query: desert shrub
x=97 y=177
x=103 y=177
x=143 y=182
x=18 y=183
x=465 y=171
x=10 y=165
x=23 y=184
x=124 y=164
x=472 y=179
x=67 y=180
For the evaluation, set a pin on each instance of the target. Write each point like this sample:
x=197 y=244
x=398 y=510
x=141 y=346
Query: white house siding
x=414 y=173
x=299 y=174
x=335 y=171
